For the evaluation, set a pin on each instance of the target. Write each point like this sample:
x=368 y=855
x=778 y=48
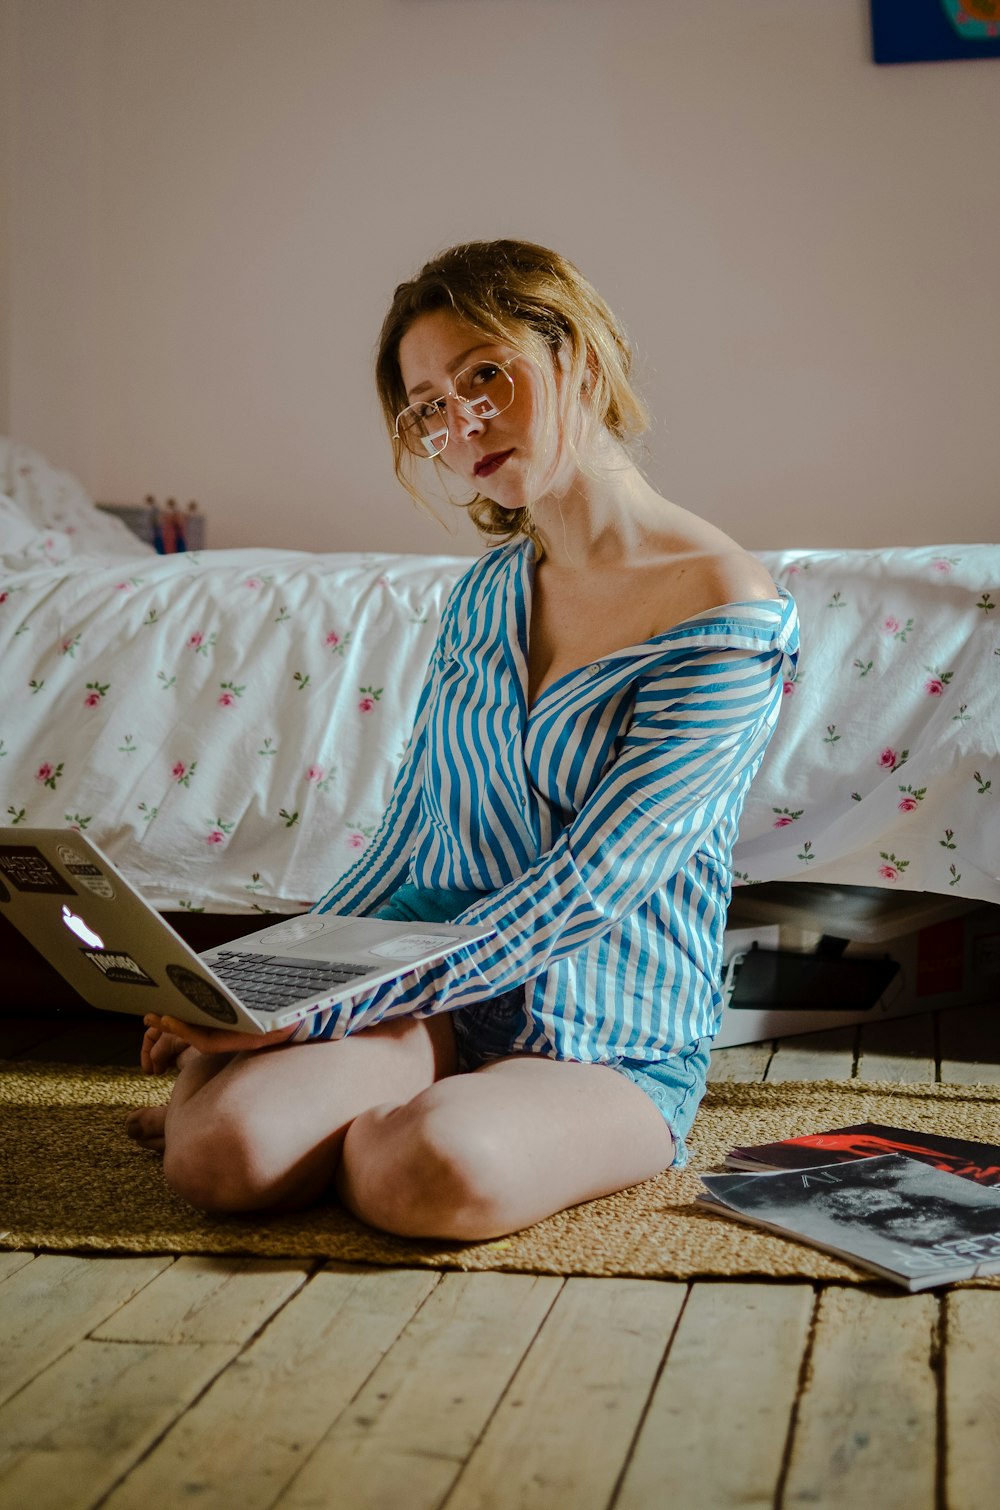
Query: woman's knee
x=217 y=1172
x=198 y=1176
x=425 y=1169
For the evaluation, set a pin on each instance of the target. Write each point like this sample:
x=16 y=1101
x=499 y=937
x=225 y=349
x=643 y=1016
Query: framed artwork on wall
x=930 y=31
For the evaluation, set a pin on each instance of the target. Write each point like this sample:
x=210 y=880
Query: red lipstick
x=487 y=465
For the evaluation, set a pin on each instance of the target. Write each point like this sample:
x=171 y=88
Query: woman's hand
x=167 y=1038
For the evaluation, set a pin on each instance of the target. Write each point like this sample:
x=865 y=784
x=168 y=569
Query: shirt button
x=597 y=668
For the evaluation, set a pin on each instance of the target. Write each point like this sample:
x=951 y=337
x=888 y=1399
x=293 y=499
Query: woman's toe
x=146 y=1126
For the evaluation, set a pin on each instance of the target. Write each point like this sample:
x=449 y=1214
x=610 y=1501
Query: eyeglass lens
x=484 y=390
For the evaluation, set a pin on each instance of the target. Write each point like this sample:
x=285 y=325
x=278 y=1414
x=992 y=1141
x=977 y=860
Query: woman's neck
x=606 y=514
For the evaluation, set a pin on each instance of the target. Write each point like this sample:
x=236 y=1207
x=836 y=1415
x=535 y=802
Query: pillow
x=53 y=504
x=18 y=535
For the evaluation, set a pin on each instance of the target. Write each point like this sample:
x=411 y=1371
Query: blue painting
x=926 y=31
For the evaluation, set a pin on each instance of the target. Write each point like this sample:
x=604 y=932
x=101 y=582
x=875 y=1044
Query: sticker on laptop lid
x=26 y=868
x=86 y=873
x=202 y=994
x=294 y=930
x=118 y=967
x=416 y=945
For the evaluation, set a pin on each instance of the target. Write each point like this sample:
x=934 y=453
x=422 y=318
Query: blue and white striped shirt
x=599 y=825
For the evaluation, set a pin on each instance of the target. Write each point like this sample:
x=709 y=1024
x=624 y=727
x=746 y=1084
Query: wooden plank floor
x=128 y=1382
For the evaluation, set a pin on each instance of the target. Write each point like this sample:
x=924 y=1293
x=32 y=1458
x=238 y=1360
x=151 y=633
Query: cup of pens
x=172 y=529
x=167 y=527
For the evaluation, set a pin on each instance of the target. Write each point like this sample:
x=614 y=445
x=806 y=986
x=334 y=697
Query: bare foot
x=145 y=1125
x=163 y=1051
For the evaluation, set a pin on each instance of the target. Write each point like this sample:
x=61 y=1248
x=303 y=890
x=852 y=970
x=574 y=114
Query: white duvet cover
x=227 y=725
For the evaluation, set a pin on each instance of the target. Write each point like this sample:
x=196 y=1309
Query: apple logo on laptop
x=76 y=925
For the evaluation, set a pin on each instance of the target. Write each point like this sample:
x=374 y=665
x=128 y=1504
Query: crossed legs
x=411 y=1145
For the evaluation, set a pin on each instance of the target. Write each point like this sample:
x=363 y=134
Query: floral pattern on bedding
x=227 y=725
x=885 y=770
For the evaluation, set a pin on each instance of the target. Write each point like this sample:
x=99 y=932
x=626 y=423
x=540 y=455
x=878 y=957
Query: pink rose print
x=369 y=697
x=44 y=772
x=195 y=640
x=358 y=835
x=942 y=565
x=366 y=704
x=314 y=773
x=178 y=770
x=336 y=642
x=48 y=774
x=4 y=596
x=891 y=760
x=226 y=700
x=785 y=816
x=891 y=625
x=908 y=804
x=124 y=586
x=893 y=868
x=937 y=681
x=91 y=700
x=254 y=582
x=216 y=837
x=787 y=688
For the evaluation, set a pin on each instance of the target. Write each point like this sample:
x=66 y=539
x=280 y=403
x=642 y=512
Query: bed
x=226 y=724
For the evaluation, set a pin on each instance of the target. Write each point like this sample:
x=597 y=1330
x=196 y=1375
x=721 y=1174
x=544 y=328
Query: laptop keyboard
x=268 y=982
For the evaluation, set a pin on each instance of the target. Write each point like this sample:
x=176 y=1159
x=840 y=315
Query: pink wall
x=212 y=200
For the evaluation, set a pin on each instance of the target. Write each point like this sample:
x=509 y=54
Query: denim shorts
x=488 y=1030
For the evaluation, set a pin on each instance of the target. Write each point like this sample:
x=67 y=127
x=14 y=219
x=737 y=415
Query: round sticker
x=202 y=994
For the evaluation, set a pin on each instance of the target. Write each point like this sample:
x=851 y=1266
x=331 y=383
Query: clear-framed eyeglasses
x=484 y=390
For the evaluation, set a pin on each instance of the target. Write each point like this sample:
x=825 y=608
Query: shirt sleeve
x=698 y=732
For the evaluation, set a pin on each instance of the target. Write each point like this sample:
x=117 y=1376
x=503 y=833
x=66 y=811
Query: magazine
x=900 y=1218
x=972 y=1161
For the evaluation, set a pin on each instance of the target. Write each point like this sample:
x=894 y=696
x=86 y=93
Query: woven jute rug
x=70 y=1181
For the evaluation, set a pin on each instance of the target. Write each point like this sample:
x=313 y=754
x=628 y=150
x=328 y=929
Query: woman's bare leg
x=264 y=1130
x=479 y=1155
x=147 y=1124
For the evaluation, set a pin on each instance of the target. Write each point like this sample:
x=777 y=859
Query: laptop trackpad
x=370 y=941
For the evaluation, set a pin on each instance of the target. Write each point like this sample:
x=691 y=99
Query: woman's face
x=512 y=457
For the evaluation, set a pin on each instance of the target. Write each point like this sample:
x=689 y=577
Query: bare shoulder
x=739 y=577
x=704 y=568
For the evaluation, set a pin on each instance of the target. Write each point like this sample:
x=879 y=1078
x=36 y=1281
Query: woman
x=604 y=685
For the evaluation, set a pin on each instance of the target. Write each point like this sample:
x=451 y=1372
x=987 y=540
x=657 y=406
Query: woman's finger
x=220 y=1040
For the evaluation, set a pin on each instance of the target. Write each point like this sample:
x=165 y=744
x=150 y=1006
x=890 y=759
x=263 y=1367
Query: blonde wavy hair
x=536 y=301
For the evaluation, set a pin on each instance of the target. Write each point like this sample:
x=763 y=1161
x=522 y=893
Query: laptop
x=67 y=898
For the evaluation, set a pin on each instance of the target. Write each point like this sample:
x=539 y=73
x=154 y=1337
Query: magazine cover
x=972 y=1161
x=903 y=1219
